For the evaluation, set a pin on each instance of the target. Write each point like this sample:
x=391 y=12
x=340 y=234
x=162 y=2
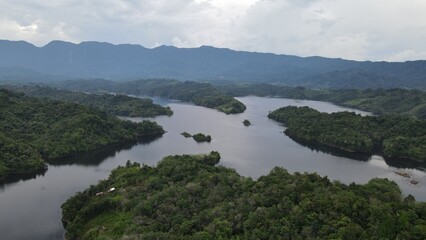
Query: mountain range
x=58 y=60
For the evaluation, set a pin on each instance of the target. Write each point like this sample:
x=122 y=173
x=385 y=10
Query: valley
x=252 y=152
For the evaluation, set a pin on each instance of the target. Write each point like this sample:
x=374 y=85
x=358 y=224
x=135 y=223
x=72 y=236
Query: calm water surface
x=30 y=209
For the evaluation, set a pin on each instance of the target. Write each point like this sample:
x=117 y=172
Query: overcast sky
x=392 y=30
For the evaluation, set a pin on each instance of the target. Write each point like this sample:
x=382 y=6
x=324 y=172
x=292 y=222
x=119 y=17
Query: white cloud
x=363 y=29
x=29 y=28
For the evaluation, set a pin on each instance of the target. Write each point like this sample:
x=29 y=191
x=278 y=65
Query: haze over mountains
x=59 y=60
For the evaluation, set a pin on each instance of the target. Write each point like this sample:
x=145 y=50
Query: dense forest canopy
x=378 y=101
x=187 y=197
x=33 y=130
x=120 y=105
x=393 y=136
x=201 y=94
x=246 y=122
x=200 y=137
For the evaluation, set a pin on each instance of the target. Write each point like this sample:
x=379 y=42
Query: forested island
x=378 y=101
x=198 y=137
x=201 y=94
x=395 y=137
x=186 y=135
x=119 y=105
x=246 y=122
x=188 y=197
x=33 y=130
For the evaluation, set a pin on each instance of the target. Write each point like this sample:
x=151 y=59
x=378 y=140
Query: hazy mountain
x=354 y=78
x=123 y=62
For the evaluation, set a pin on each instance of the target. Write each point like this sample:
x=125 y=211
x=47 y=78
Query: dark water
x=30 y=209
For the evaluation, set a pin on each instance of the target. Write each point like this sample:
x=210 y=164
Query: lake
x=30 y=208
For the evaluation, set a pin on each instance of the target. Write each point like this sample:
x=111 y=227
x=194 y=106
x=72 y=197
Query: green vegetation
x=201 y=94
x=267 y=90
x=187 y=197
x=199 y=137
x=378 y=101
x=393 y=136
x=120 y=105
x=246 y=122
x=18 y=157
x=33 y=130
x=185 y=134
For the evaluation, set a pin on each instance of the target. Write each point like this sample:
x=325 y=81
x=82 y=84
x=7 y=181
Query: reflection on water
x=22 y=177
x=377 y=160
x=91 y=158
x=384 y=161
x=405 y=163
x=333 y=151
x=95 y=157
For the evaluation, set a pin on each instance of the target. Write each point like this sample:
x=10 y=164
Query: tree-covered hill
x=393 y=136
x=187 y=197
x=201 y=94
x=378 y=101
x=33 y=130
x=120 y=105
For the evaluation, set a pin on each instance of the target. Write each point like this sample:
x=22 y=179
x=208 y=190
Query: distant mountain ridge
x=63 y=60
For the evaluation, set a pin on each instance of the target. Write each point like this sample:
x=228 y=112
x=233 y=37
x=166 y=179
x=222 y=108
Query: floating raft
x=414 y=182
x=403 y=174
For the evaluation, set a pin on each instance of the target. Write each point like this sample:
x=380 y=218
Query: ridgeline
x=58 y=60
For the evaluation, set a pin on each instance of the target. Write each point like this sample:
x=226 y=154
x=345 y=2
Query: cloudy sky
x=392 y=30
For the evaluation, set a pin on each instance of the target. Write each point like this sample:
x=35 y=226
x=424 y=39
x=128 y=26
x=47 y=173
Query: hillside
x=119 y=105
x=125 y=62
x=201 y=94
x=34 y=130
x=377 y=101
x=187 y=197
x=401 y=138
